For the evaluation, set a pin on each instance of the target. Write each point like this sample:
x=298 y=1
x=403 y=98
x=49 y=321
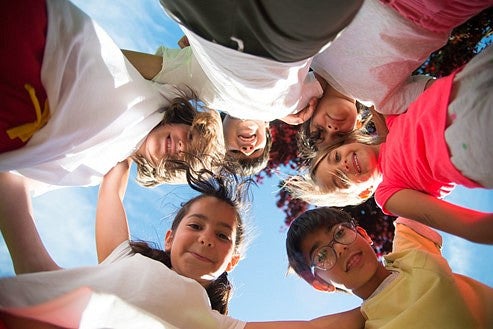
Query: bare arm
x=352 y=319
x=147 y=64
x=470 y=224
x=111 y=219
x=18 y=228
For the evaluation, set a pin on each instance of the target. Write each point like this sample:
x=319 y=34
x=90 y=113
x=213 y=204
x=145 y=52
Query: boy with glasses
x=414 y=289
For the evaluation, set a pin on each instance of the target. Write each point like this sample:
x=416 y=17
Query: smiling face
x=203 y=245
x=332 y=117
x=166 y=141
x=356 y=268
x=357 y=161
x=244 y=138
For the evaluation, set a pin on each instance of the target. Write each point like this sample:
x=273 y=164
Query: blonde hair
x=306 y=188
x=208 y=146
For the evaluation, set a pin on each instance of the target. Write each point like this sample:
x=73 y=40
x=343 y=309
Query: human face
x=356 y=266
x=244 y=138
x=203 y=245
x=332 y=117
x=325 y=257
x=166 y=141
x=359 y=162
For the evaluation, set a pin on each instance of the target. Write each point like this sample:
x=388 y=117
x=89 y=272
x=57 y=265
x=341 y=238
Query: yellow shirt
x=426 y=293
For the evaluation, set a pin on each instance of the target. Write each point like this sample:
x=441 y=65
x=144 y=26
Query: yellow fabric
x=426 y=293
x=27 y=130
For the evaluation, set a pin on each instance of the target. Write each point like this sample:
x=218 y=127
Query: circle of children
x=78 y=111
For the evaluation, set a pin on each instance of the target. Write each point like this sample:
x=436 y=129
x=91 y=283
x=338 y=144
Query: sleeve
x=398 y=102
x=124 y=250
x=310 y=88
x=410 y=234
x=176 y=67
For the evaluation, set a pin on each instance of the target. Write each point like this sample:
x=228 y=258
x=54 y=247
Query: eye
x=340 y=233
x=190 y=135
x=224 y=237
x=320 y=257
x=337 y=156
x=194 y=226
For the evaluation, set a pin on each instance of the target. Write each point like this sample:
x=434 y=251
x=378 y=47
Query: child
x=204 y=242
x=415 y=289
x=375 y=67
x=76 y=106
x=429 y=149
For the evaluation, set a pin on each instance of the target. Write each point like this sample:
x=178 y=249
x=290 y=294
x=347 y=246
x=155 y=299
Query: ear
x=168 y=240
x=232 y=263
x=361 y=231
x=321 y=285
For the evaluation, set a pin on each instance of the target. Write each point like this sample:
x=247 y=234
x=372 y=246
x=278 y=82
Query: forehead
x=213 y=210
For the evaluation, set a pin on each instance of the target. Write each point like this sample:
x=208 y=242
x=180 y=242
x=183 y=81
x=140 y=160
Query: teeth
x=356 y=163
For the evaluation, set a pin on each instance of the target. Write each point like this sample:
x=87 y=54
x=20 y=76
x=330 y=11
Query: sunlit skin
x=203 y=245
x=244 y=138
x=358 y=161
x=357 y=268
x=165 y=141
x=333 y=115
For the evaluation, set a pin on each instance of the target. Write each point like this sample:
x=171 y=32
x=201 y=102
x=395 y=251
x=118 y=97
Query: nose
x=205 y=239
x=339 y=248
x=331 y=127
x=344 y=166
x=181 y=146
x=247 y=149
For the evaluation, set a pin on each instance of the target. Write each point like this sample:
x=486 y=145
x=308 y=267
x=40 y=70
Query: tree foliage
x=465 y=41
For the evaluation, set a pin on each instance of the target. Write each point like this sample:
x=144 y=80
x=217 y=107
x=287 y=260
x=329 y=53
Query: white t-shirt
x=375 y=56
x=101 y=107
x=133 y=278
x=240 y=84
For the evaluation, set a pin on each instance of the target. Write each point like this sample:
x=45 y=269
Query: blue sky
x=263 y=291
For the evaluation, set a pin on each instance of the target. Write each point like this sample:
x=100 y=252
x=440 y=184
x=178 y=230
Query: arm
x=111 y=219
x=470 y=224
x=352 y=319
x=18 y=228
x=147 y=64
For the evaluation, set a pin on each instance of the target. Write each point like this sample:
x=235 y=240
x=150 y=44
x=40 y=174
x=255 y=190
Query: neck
x=365 y=291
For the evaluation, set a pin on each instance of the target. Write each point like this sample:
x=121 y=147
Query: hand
x=303 y=115
x=183 y=42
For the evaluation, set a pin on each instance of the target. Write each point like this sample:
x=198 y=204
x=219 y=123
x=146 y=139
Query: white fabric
x=240 y=84
x=136 y=279
x=101 y=107
x=375 y=55
x=109 y=311
x=469 y=137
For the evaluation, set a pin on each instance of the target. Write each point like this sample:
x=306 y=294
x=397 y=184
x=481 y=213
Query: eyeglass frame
x=349 y=225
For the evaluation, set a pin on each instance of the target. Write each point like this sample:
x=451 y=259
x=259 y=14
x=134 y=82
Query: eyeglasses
x=325 y=257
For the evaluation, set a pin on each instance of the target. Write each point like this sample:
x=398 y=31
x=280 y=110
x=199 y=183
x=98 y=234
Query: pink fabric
x=438 y=15
x=64 y=311
x=415 y=154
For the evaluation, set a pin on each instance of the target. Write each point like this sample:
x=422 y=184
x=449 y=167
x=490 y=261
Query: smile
x=353 y=261
x=356 y=163
x=201 y=258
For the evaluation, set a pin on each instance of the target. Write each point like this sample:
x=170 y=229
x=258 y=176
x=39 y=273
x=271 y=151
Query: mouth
x=247 y=138
x=353 y=260
x=169 y=146
x=201 y=258
x=356 y=163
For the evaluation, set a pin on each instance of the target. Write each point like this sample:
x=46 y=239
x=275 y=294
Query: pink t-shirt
x=415 y=154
